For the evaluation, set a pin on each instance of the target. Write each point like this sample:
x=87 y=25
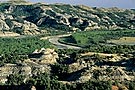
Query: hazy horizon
x=129 y=4
x=95 y=3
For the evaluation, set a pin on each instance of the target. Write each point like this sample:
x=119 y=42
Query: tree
x=60 y=70
x=41 y=79
x=15 y=79
x=132 y=85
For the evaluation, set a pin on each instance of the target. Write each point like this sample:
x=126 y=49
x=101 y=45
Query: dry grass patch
x=124 y=41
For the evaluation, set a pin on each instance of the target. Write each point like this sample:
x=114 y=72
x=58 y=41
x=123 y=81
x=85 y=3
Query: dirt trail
x=101 y=54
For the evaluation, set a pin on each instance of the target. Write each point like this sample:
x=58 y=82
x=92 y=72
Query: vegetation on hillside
x=14 y=49
x=100 y=41
x=97 y=26
x=100 y=37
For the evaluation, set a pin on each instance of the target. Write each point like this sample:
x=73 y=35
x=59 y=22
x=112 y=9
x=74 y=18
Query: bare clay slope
x=30 y=18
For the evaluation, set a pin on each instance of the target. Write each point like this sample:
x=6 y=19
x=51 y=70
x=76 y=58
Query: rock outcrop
x=44 y=56
x=3 y=26
x=8 y=69
x=63 y=17
x=10 y=24
x=39 y=62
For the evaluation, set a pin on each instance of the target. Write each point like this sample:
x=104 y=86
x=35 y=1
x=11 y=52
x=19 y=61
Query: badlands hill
x=28 y=18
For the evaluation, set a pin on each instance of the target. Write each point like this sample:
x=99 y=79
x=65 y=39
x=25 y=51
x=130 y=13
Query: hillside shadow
x=128 y=64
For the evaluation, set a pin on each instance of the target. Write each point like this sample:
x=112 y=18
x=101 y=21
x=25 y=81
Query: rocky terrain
x=101 y=66
x=61 y=65
x=87 y=66
x=30 y=18
x=39 y=62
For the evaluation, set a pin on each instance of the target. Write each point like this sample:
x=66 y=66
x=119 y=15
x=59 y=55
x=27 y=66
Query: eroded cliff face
x=39 y=62
x=44 y=56
x=86 y=67
x=26 y=19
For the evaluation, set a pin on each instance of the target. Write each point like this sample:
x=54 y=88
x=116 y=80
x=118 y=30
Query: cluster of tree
x=50 y=82
x=111 y=49
x=98 y=37
x=15 y=79
x=12 y=49
x=59 y=72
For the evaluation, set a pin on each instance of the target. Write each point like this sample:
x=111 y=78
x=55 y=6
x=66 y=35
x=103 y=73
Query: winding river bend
x=54 y=40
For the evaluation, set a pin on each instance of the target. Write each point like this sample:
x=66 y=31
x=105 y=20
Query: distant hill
x=28 y=18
